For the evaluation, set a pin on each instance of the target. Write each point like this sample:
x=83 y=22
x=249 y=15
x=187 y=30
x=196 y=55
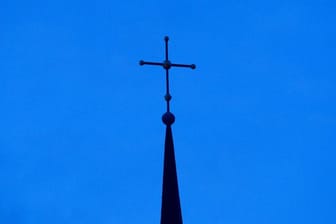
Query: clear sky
x=81 y=137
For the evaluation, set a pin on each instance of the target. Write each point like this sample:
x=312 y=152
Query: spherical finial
x=141 y=62
x=168 y=118
x=193 y=66
x=166 y=38
x=168 y=97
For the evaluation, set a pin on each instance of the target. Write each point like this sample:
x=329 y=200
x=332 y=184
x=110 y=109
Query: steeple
x=171 y=207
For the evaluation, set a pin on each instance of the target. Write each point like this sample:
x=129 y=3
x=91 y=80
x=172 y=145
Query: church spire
x=171 y=207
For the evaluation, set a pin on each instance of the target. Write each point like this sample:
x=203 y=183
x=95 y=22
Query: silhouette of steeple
x=171 y=207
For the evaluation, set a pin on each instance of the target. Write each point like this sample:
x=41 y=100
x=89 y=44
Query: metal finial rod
x=166 y=41
x=192 y=66
x=167 y=96
x=166 y=64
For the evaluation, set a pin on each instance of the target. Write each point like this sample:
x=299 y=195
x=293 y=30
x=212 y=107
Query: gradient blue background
x=81 y=137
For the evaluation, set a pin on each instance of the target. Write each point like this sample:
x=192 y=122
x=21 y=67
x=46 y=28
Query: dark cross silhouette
x=171 y=208
x=166 y=64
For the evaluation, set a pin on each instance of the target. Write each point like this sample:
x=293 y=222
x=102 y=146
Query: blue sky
x=81 y=137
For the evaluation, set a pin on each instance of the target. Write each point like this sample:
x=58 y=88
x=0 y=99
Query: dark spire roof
x=171 y=208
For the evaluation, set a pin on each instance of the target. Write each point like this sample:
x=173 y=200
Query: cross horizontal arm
x=150 y=63
x=192 y=66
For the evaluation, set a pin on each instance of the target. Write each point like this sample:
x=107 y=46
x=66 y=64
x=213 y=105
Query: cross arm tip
x=141 y=62
x=192 y=66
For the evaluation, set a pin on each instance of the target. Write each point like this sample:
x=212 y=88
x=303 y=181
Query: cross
x=166 y=64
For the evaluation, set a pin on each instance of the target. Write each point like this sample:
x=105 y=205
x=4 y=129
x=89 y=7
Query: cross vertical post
x=166 y=66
